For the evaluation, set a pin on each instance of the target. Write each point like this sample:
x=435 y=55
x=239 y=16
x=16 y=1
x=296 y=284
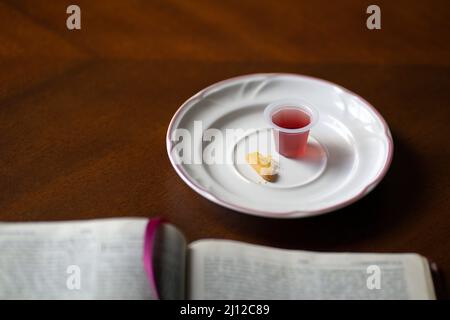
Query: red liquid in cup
x=291 y=145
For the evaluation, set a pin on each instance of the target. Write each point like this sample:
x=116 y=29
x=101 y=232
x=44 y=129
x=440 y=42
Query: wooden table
x=84 y=113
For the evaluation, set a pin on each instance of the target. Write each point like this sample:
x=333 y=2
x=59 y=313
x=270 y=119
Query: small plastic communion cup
x=291 y=121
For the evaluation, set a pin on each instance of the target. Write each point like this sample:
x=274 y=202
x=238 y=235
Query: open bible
x=106 y=259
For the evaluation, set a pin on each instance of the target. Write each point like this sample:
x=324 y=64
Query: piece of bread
x=264 y=166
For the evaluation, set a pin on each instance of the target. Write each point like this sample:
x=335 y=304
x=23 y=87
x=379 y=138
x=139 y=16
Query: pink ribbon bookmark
x=149 y=242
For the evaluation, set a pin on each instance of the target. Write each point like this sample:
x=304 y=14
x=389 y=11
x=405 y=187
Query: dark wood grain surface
x=83 y=114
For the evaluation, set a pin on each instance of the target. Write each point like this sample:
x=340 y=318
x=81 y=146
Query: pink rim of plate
x=289 y=214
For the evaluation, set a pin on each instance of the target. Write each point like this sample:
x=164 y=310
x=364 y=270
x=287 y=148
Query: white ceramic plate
x=349 y=150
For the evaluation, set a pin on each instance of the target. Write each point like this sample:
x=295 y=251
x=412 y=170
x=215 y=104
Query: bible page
x=96 y=259
x=222 y=269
